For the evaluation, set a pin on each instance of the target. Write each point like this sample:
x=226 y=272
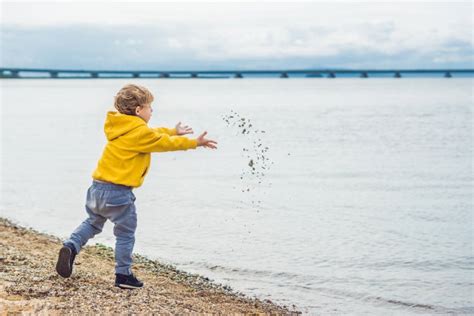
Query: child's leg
x=124 y=231
x=86 y=230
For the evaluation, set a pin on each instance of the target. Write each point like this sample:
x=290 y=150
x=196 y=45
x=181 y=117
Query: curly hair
x=130 y=97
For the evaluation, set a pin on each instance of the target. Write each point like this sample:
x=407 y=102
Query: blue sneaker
x=124 y=281
x=66 y=257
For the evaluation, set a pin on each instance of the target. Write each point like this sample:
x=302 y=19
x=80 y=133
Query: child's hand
x=183 y=130
x=206 y=142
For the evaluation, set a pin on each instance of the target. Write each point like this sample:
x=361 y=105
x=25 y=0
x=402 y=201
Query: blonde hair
x=130 y=97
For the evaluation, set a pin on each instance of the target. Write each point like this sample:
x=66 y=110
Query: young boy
x=124 y=163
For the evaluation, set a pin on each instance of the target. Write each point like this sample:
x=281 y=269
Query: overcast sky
x=246 y=35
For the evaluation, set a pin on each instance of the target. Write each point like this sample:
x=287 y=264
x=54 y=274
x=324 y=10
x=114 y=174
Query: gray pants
x=116 y=203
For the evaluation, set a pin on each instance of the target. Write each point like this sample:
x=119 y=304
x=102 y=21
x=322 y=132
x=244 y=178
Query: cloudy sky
x=230 y=35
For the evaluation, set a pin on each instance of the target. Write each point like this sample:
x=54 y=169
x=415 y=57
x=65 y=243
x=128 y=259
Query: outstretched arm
x=149 y=140
x=165 y=130
x=177 y=130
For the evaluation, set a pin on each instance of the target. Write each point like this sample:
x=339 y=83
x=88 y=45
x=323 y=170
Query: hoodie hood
x=118 y=124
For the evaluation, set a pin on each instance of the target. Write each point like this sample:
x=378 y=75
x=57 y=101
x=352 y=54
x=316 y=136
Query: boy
x=124 y=163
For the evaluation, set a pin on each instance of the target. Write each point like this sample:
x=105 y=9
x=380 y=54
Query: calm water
x=366 y=204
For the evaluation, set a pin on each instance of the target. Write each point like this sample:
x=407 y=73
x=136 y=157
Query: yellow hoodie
x=126 y=157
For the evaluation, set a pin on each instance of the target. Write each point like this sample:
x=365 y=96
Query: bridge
x=37 y=73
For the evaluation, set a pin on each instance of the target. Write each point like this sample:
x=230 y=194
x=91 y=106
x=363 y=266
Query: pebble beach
x=29 y=283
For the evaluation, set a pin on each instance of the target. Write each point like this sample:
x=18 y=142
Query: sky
x=109 y=35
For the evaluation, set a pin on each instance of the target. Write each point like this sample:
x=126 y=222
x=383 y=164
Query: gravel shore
x=29 y=283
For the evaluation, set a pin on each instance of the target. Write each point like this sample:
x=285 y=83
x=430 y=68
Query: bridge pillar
x=447 y=75
x=397 y=75
x=94 y=74
x=9 y=74
x=194 y=75
x=238 y=75
x=284 y=75
x=364 y=75
x=331 y=75
x=53 y=74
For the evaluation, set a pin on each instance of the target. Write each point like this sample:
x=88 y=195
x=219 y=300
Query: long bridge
x=38 y=73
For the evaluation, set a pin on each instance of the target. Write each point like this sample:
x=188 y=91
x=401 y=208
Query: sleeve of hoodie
x=165 y=130
x=150 y=140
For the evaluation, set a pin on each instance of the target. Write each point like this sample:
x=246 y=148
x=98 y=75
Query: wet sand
x=29 y=283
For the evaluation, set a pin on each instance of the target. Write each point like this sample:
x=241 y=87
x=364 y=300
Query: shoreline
x=29 y=283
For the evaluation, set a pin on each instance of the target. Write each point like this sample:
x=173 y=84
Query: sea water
x=365 y=204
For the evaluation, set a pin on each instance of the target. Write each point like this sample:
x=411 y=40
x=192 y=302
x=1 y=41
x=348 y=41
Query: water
x=367 y=206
